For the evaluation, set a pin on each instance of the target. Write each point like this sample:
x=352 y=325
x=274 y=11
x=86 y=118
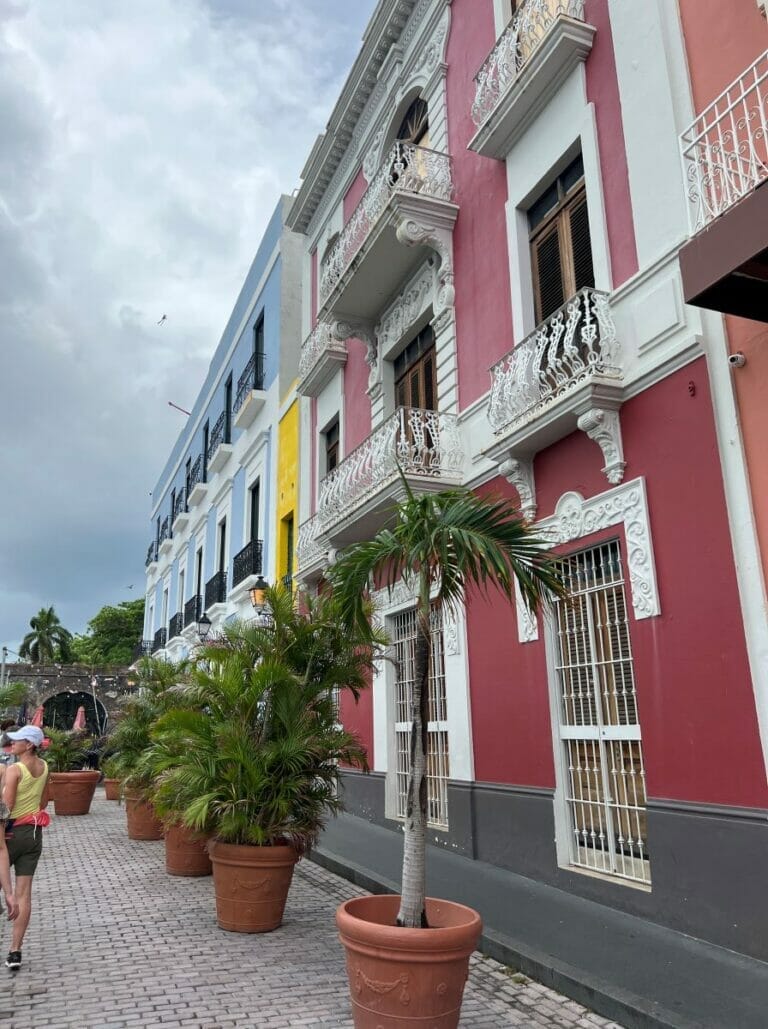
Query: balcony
x=565 y=376
x=357 y=498
x=159 y=641
x=247 y=566
x=142 y=649
x=321 y=356
x=192 y=610
x=219 y=444
x=413 y=186
x=216 y=590
x=312 y=550
x=151 y=557
x=250 y=396
x=180 y=511
x=724 y=265
x=165 y=539
x=175 y=625
x=540 y=47
x=196 y=487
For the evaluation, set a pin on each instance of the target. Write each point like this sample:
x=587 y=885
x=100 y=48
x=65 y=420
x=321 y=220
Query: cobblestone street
x=115 y=941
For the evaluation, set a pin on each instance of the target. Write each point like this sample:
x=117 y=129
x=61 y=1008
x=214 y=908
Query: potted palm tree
x=441 y=543
x=131 y=741
x=73 y=784
x=111 y=779
x=256 y=746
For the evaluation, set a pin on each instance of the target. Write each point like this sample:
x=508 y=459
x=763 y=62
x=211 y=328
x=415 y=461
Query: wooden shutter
x=548 y=274
x=581 y=246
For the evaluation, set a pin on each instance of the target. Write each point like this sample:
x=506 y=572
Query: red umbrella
x=79 y=720
x=37 y=717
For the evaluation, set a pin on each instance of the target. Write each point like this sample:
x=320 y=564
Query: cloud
x=144 y=148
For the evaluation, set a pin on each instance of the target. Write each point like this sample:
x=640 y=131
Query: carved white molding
x=346 y=328
x=604 y=427
x=407 y=308
x=519 y=471
x=372 y=157
x=413 y=233
x=625 y=505
x=451 y=642
x=527 y=623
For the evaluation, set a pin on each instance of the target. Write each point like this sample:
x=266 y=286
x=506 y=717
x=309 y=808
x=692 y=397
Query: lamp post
x=258 y=595
x=203 y=627
x=2 y=667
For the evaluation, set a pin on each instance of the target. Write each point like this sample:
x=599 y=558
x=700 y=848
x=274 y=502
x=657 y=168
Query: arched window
x=414 y=128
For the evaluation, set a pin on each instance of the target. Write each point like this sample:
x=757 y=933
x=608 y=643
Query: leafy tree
x=48 y=640
x=111 y=635
x=442 y=542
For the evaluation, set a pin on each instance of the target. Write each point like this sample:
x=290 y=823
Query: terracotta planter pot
x=143 y=824
x=185 y=853
x=406 y=977
x=73 y=792
x=251 y=885
x=112 y=789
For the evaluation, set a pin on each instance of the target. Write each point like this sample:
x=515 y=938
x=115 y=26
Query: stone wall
x=109 y=683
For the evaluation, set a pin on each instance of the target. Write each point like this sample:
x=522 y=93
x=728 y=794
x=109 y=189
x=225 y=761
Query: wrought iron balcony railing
x=725 y=151
x=142 y=649
x=416 y=441
x=247 y=562
x=196 y=473
x=573 y=344
x=151 y=553
x=180 y=503
x=319 y=343
x=251 y=378
x=217 y=435
x=160 y=640
x=517 y=44
x=287 y=581
x=311 y=544
x=165 y=530
x=175 y=625
x=406 y=168
x=216 y=590
x=192 y=610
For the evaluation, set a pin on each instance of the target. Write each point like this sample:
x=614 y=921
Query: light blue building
x=213 y=524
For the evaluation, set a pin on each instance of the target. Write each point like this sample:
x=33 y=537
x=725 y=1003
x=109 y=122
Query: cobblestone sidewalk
x=115 y=941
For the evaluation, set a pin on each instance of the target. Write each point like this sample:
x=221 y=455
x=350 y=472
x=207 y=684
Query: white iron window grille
x=604 y=776
x=725 y=151
x=404 y=637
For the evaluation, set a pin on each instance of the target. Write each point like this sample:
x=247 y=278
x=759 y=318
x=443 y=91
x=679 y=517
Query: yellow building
x=287 y=487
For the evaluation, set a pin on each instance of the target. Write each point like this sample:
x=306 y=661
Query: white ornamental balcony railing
x=725 y=151
x=574 y=344
x=417 y=442
x=519 y=41
x=311 y=545
x=406 y=168
x=318 y=343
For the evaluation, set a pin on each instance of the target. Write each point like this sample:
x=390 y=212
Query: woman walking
x=25 y=793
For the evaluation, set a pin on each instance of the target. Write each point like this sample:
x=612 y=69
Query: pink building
x=493 y=297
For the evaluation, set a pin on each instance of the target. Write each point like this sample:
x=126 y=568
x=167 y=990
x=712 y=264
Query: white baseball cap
x=28 y=732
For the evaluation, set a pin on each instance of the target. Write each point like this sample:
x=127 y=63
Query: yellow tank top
x=29 y=791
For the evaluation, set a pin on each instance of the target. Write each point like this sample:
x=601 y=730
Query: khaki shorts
x=25 y=846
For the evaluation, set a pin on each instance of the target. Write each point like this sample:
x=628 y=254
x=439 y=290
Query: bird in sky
x=129 y=587
x=162 y=319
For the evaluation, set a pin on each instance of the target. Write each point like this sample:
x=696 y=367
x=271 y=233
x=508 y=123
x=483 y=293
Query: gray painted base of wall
x=681 y=954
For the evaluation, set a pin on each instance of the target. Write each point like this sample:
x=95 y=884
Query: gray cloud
x=144 y=148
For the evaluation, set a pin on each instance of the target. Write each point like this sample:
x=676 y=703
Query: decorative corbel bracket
x=412 y=233
x=344 y=328
x=519 y=472
x=604 y=427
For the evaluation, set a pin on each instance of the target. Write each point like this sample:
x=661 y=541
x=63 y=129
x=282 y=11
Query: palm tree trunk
x=413 y=913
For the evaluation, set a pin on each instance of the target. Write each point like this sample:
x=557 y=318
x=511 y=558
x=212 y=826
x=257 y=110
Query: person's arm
x=5 y=875
x=10 y=785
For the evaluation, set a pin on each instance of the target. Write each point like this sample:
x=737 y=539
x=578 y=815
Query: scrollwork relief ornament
x=412 y=233
x=451 y=633
x=344 y=329
x=604 y=427
x=519 y=472
x=372 y=157
x=406 y=309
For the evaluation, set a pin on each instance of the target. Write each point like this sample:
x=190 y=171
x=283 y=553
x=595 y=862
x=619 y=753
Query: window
x=165 y=606
x=199 y=573
x=287 y=560
x=157 y=530
x=404 y=636
x=254 y=502
x=187 y=476
x=414 y=128
x=561 y=249
x=331 y=440
x=415 y=373
x=258 y=353
x=180 y=604
x=228 y=409
x=173 y=508
x=602 y=759
x=206 y=435
x=222 y=545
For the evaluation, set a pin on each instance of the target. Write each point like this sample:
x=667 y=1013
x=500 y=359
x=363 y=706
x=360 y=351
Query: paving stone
x=116 y=942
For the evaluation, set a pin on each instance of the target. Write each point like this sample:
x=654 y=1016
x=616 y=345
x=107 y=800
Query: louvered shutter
x=581 y=246
x=549 y=274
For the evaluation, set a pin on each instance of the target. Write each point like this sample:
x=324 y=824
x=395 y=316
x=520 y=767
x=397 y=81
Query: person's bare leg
x=23 y=890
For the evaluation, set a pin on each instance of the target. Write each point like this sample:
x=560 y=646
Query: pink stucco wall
x=357 y=405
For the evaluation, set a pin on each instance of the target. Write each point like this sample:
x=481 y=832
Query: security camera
x=737 y=360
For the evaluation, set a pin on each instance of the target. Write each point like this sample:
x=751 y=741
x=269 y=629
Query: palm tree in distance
x=48 y=640
x=441 y=543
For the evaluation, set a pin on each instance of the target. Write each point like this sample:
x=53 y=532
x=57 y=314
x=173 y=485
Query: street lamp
x=258 y=595
x=203 y=627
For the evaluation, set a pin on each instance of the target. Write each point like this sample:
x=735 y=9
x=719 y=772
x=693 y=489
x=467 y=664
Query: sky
x=143 y=146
